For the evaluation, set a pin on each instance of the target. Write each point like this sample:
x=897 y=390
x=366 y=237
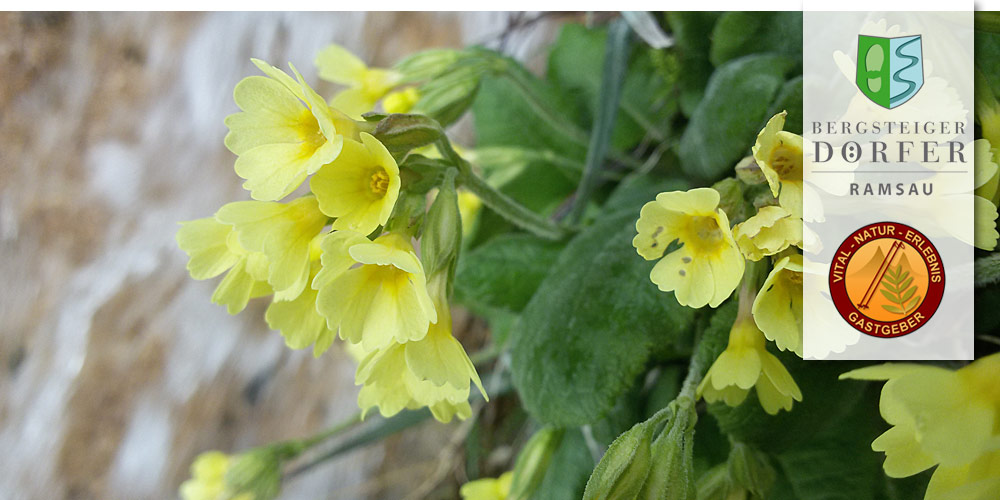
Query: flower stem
x=509 y=209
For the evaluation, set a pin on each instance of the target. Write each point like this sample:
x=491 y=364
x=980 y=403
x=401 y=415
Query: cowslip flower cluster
x=941 y=418
x=339 y=261
x=703 y=260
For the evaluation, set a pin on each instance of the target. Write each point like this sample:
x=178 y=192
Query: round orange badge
x=886 y=279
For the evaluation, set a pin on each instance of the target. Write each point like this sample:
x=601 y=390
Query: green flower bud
x=749 y=172
x=750 y=470
x=731 y=199
x=427 y=64
x=671 y=475
x=533 y=462
x=401 y=133
x=256 y=473
x=623 y=469
x=447 y=97
x=442 y=230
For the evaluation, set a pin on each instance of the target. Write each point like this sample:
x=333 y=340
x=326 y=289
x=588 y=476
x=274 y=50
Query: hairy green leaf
x=726 y=122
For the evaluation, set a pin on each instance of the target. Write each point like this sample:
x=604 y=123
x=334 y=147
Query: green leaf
x=738 y=34
x=505 y=271
x=567 y=475
x=986 y=56
x=825 y=402
x=728 y=118
x=839 y=464
x=790 y=100
x=575 y=66
x=692 y=36
x=592 y=325
x=504 y=118
x=908 y=293
x=892 y=309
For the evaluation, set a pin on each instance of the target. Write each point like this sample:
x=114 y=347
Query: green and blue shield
x=890 y=70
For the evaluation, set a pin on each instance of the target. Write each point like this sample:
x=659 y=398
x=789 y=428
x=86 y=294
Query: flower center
x=787 y=163
x=795 y=278
x=706 y=229
x=379 y=182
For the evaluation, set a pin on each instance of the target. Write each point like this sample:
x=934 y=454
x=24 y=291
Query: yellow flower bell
x=389 y=384
x=779 y=156
x=708 y=266
x=365 y=85
x=488 y=488
x=777 y=310
x=771 y=230
x=285 y=132
x=283 y=232
x=213 y=248
x=941 y=417
x=208 y=479
x=299 y=322
x=746 y=364
x=383 y=300
x=360 y=187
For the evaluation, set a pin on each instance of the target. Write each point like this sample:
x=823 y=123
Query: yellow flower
x=435 y=371
x=208 y=479
x=283 y=233
x=771 y=230
x=978 y=480
x=777 y=310
x=488 y=488
x=940 y=417
x=213 y=248
x=389 y=384
x=360 y=187
x=746 y=364
x=779 y=155
x=299 y=321
x=382 y=301
x=401 y=101
x=987 y=177
x=366 y=85
x=708 y=266
x=284 y=133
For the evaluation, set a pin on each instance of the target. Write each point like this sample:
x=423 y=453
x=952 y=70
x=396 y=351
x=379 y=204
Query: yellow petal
x=338 y=65
x=205 y=242
x=656 y=227
x=777 y=310
x=699 y=201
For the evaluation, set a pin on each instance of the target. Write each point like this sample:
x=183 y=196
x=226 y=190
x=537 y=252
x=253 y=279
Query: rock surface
x=117 y=370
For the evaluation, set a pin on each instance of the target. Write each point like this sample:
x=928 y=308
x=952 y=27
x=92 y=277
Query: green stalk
x=509 y=209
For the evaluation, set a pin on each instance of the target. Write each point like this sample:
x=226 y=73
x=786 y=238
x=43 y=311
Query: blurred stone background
x=117 y=370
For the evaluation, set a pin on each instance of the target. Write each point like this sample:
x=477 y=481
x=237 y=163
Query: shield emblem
x=890 y=70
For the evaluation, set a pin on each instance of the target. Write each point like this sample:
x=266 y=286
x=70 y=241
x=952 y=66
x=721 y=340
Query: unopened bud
x=623 y=469
x=533 y=462
x=731 y=199
x=442 y=231
x=447 y=97
x=257 y=473
x=671 y=475
x=749 y=172
x=401 y=133
x=427 y=64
